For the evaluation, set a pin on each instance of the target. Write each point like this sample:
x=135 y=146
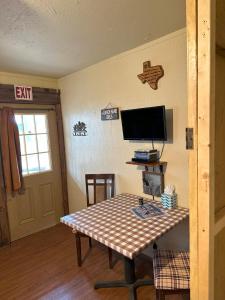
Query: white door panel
x=41 y=205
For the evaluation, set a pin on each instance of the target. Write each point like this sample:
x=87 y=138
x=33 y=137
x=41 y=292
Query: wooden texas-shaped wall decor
x=151 y=75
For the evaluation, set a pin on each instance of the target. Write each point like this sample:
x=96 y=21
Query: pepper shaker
x=141 y=201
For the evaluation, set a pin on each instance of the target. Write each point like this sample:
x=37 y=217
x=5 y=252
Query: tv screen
x=144 y=124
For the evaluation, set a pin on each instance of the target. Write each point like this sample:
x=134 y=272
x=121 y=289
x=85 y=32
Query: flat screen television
x=147 y=123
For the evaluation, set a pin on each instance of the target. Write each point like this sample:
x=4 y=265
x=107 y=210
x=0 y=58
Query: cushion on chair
x=171 y=270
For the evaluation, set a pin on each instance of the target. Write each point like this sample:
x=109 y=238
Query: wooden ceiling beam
x=44 y=96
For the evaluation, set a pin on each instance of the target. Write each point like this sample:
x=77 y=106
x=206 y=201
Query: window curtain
x=10 y=152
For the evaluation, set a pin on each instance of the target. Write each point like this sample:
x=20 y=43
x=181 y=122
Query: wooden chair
x=103 y=186
x=171 y=273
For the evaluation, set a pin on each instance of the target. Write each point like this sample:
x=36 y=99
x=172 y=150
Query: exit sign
x=23 y=93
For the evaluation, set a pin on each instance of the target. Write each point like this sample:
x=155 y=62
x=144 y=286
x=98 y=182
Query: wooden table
x=113 y=224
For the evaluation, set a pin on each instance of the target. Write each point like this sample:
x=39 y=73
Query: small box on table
x=169 y=201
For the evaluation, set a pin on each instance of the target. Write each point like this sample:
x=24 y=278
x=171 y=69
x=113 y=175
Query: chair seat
x=171 y=270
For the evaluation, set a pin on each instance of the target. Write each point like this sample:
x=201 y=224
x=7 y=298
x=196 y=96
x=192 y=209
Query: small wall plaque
x=151 y=75
x=80 y=129
x=110 y=114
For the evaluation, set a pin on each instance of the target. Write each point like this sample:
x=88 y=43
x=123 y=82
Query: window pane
x=24 y=165
x=40 y=121
x=42 y=142
x=34 y=143
x=44 y=162
x=31 y=144
x=22 y=146
x=19 y=123
x=28 y=123
x=32 y=161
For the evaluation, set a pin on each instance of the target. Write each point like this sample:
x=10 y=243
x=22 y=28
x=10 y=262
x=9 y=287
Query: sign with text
x=110 y=114
x=23 y=93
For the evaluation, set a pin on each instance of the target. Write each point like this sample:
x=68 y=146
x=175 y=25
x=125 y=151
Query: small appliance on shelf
x=145 y=156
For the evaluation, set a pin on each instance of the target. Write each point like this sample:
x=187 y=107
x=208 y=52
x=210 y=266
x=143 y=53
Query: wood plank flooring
x=43 y=266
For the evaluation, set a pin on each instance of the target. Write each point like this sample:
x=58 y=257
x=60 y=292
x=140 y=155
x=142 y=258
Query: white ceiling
x=58 y=37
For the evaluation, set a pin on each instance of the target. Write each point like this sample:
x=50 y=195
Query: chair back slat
x=113 y=186
x=105 y=189
x=87 y=191
x=104 y=182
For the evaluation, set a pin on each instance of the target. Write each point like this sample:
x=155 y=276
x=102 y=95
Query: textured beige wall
x=114 y=80
x=23 y=79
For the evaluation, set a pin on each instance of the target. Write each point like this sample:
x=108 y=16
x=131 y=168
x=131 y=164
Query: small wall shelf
x=160 y=164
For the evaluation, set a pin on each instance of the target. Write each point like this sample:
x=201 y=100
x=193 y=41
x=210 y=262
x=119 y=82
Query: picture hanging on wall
x=80 y=129
x=153 y=183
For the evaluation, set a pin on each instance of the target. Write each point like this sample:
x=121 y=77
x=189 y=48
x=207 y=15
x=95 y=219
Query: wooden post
x=191 y=14
x=201 y=117
x=4 y=224
x=206 y=144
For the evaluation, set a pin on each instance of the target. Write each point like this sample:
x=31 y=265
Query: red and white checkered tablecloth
x=112 y=223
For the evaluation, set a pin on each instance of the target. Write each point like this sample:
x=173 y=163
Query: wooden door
x=41 y=205
x=206 y=97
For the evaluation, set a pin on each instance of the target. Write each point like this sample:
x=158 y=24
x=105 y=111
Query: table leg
x=129 y=270
x=129 y=282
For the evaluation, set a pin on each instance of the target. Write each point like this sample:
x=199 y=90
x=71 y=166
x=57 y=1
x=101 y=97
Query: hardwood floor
x=43 y=266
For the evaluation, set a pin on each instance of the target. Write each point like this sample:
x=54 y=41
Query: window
x=34 y=143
